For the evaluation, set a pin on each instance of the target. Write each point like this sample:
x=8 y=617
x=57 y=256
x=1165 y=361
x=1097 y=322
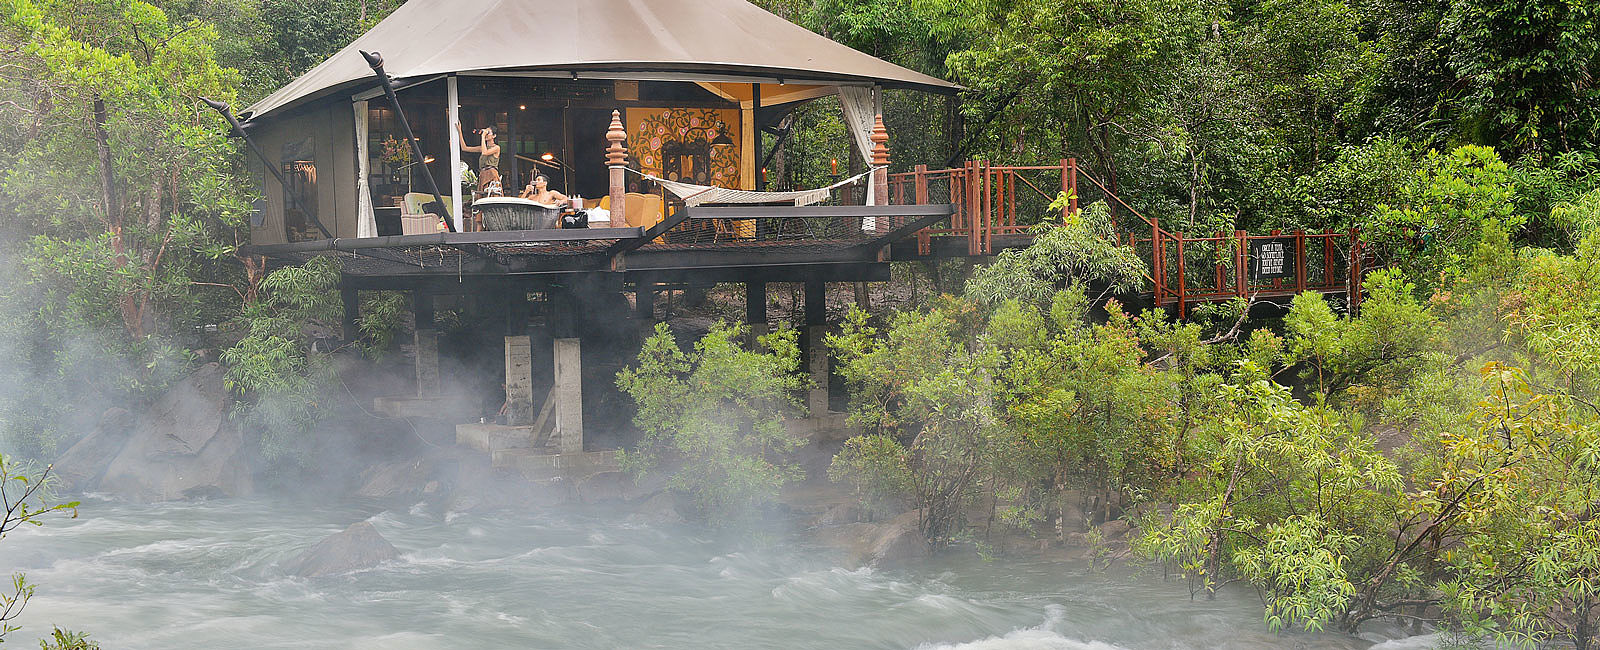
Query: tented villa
x=692 y=82
x=630 y=130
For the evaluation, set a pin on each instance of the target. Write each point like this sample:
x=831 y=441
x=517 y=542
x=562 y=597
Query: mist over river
x=207 y=575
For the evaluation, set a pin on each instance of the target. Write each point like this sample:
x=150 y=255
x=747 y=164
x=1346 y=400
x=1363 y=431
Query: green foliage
x=283 y=383
x=878 y=467
x=1380 y=350
x=926 y=384
x=1078 y=251
x=25 y=496
x=1285 y=497
x=1457 y=201
x=119 y=181
x=714 y=417
x=1523 y=483
x=1520 y=58
x=67 y=640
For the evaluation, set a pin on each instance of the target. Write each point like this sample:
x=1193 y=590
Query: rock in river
x=183 y=446
x=359 y=547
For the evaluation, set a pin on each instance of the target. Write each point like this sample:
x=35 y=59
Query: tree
x=1291 y=499
x=1530 y=69
x=1065 y=75
x=1523 y=483
x=715 y=417
x=126 y=189
x=1457 y=201
x=25 y=497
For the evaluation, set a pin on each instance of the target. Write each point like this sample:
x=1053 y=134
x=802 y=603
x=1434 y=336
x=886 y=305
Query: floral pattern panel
x=676 y=144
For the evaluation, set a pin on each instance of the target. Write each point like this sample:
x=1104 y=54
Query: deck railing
x=998 y=200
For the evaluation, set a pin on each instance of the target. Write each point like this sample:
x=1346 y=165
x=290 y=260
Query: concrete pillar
x=569 y=395
x=817 y=363
x=519 y=380
x=427 y=345
x=816 y=348
x=755 y=311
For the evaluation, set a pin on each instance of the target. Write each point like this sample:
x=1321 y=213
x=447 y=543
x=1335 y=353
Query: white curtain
x=860 y=107
x=366 y=223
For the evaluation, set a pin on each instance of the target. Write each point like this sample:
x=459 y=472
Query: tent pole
x=755 y=119
x=454 y=175
x=222 y=108
x=376 y=61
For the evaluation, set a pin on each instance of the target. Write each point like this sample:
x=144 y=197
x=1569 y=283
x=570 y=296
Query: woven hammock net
x=693 y=195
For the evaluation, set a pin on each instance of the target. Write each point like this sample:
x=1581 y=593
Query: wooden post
x=1011 y=198
x=1222 y=282
x=426 y=345
x=880 y=170
x=816 y=348
x=616 y=163
x=1241 y=257
x=1183 y=290
x=1354 y=299
x=1158 y=266
x=1277 y=283
x=974 y=205
x=1299 y=262
x=1069 y=182
x=644 y=304
x=1327 y=260
x=920 y=189
x=986 y=184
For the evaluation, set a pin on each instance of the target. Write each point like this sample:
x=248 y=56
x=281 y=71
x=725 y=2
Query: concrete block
x=817 y=364
x=568 y=467
x=569 y=395
x=435 y=407
x=519 y=380
x=493 y=437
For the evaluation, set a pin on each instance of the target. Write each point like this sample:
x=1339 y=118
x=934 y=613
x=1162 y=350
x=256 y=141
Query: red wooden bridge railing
x=1005 y=200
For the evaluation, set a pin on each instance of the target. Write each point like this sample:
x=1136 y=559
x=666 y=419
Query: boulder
x=618 y=487
x=891 y=544
x=660 y=510
x=899 y=542
x=1114 y=529
x=183 y=446
x=845 y=513
x=357 y=548
x=80 y=468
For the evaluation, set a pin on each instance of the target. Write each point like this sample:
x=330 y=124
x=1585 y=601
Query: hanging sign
x=1272 y=259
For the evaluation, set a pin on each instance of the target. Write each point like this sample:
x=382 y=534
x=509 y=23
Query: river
x=206 y=575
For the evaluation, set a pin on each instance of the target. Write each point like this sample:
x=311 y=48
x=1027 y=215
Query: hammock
x=693 y=195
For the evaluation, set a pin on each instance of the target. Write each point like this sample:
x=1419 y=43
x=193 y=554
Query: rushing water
x=206 y=575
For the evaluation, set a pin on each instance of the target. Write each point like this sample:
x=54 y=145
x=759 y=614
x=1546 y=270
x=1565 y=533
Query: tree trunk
x=108 y=182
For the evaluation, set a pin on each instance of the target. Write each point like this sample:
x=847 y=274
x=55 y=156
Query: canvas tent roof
x=700 y=40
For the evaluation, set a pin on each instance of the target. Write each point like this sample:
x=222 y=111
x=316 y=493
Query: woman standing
x=488 y=158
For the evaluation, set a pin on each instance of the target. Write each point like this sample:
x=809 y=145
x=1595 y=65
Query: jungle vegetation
x=1434 y=456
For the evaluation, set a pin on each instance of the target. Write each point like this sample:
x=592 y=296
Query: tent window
x=300 y=191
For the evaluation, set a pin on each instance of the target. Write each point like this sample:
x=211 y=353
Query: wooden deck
x=976 y=210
